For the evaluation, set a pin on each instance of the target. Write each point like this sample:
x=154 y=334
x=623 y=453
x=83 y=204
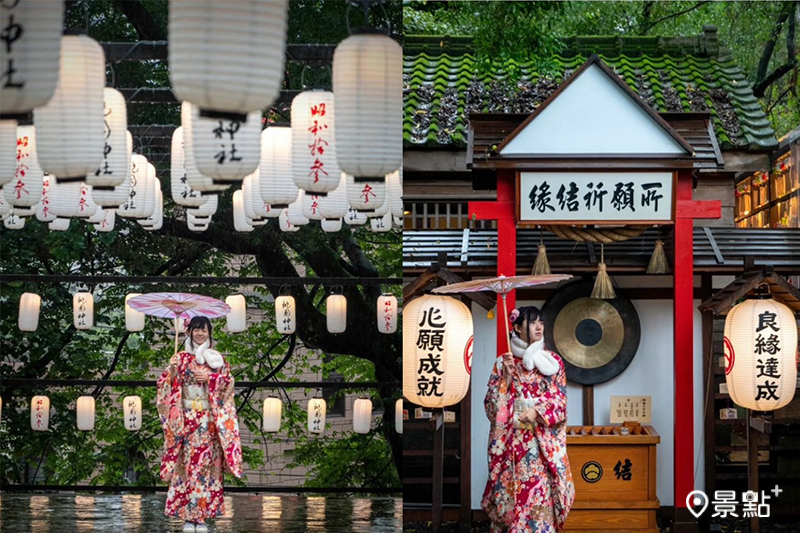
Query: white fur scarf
x=534 y=355
x=204 y=355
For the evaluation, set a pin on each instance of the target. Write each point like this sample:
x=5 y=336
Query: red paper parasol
x=179 y=304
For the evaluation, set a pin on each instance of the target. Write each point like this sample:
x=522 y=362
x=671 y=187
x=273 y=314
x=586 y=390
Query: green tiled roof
x=443 y=82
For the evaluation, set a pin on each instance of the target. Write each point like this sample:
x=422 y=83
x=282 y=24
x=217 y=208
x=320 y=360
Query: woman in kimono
x=530 y=486
x=201 y=431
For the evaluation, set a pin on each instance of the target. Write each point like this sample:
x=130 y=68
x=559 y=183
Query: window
x=441 y=215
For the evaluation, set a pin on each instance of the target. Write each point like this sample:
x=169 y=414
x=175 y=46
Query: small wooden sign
x=449 y=416
x=630 y=409
x=420 y=413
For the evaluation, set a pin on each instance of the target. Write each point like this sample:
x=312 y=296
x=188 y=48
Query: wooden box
x=615 y=479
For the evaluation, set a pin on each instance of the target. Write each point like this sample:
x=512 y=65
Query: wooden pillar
x=710 y=389
x=438 y=470
x=465 y=510
x=752 y=466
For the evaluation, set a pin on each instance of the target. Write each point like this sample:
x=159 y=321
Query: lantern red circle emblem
x=730 y=356
x=468 y=355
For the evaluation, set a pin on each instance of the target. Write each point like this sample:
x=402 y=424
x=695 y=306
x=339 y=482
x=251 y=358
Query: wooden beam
x=728 y=296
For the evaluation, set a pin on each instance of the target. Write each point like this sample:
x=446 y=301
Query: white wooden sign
x=596 y=197
x=631 y=409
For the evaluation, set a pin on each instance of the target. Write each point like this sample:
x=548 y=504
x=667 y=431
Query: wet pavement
x=137 y=513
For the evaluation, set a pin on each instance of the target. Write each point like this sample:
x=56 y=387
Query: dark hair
x=199 y=322
x=527 y=314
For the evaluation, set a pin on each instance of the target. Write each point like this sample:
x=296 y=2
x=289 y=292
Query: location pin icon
x=695 y=500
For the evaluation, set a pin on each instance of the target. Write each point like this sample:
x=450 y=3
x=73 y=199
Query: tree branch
x=769 y=46
x=141 y=20
x=778 y=73
x=671 y=16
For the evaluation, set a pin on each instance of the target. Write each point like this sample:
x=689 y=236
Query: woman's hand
x=508 y=364
x=201 y=375
x=529 y=416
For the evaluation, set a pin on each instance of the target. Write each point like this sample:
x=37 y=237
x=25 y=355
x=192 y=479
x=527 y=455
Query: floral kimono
x=530 y=486
x=201 y=437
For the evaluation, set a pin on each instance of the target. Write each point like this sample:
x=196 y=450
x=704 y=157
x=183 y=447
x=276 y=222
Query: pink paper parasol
x=179 y=304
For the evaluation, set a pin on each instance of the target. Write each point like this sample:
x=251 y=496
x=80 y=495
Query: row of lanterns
x=285 y=313
x=80 y=141
x=272 y=411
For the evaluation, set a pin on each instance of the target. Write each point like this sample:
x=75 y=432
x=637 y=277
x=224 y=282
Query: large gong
x=596 y=339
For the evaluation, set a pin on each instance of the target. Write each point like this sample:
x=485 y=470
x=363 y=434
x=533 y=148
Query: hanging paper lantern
x=71 y=199
x=98 y=217
x=272 y=415
x=277 y=186
x=151 y=196
x=331 y=225
x=261 y=209
x=437 y=351
x=8 y=150
x=311 y=204
x=285 y=315
x=116 y=196
x=284 y=224
x=135 y=204
x=237 y=318
x=195 y=179
x=14 y=221
x=337 y=313
x=29 y=305
x=204 y=212
x=156 y=220
x=314 y=165
x=132 y=413
x=295 y=211
x=40 y=413
x=5 y=207
x=362 y=415
x=226 y=150
x=60 y=224
x=197 y=224
x=368 y=89
x=107 y=224
x=387 y=313
x=394 y=192
x=115 y=167
x=248 y=202
x=316 y=415
x=761 y=354
x=25 y=188
x=227 y=56
x=240 y=221
x=83 y=310
x=398 y=416
x=31 y=49
x=182 y=192
x=334 y=205
x=365 y=195
x=134 y=320
x=355 y=218
x=381 y=224
x=44 y=211
x=69 y=128
x=85 y=413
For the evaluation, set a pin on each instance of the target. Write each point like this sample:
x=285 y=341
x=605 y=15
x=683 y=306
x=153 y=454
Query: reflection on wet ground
x=137 y=513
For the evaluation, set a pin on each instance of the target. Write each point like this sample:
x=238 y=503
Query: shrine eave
x=586 y=162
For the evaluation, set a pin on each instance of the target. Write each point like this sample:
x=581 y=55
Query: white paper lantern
x=334 y=205
x=196 y=180
x=182 y=192
x=381 y=224
x=314 y=164
x=116 y=196
x=247 y=198
x=83 y=310
x=331 y=225
x=316 y=415
x=365 y=195
x=761 y=354
x=337 y=313
x=98 y=217
x=206 y=210
x=240 y=221
x=44 y=211
x=197 y=224
x=114 y=168
x=394 y=192
x=227 y=56
x=387 y=314
x=71 y=199
x=29 y=305
x=226 y=150
x=60 y=224
x=134 y=320
x=355 y=218
x=295 y=211
x=261 y=209
x=311 y=204
x=107 y=224
x=155 y=221
x=5 y=207
x=272 y=415
x=40 y=413
x=362 y=415
x=85 y=413
x=285 y=315
x=237 y=318
x=437 y=350
x=398 y=416
x=132 y=413
x=151 y=196
x=277 y=186
x=25 y=188
x=368 y=89
x=69 y=128
x=8 y=150
x=135 y=204
x=31 y=49
x=284 y=224
x=14 y=221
